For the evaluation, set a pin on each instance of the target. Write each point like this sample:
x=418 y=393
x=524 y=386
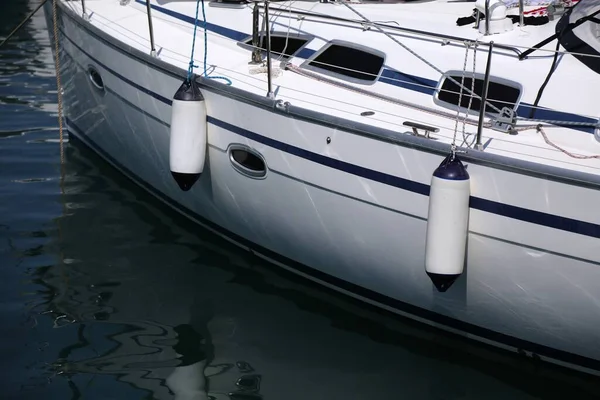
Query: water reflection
x=139 y=291
x=110 y=295
x=151 y=300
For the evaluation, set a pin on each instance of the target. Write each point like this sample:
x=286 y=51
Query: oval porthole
x=247 y=161
x=95 y=78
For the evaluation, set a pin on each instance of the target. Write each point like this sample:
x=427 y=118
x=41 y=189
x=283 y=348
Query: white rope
x=276 y=72
x=557 y=147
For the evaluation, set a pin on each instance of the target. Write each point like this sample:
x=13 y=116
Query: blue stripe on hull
x=505 y=210
x=360 y=291
x=477 y=203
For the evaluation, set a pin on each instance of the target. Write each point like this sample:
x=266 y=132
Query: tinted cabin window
x=281 y=44
x=499 y=94
x=248 y=160
x=350 y=62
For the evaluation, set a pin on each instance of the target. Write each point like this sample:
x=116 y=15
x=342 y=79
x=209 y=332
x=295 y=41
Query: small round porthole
x=95 y=78
x=247 y=161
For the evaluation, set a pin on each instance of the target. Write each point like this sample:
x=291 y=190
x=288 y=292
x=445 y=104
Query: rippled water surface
x=105 y=294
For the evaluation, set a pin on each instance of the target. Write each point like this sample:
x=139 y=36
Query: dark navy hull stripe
x=394 y=77
x=493 y=207
x=353 y=169
x=544 y=351
x=477 y=203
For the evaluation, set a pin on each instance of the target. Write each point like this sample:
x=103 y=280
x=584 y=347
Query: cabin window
x=247 y=161
x=281 y=44
x=501 y=93
x=350 y=61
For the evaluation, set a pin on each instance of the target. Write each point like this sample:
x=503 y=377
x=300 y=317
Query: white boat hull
x=351 y=212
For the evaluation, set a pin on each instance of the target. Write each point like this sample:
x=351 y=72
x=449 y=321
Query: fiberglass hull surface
x=351 y=214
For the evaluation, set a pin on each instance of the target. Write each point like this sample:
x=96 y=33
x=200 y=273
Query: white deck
x=173 y=43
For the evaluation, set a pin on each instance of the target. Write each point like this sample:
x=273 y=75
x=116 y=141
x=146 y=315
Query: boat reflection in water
x=145 y=298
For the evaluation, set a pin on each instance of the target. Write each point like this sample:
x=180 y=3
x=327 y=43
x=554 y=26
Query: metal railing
x=487 y=17
x=444 y=38
x=150 y=28
x=497 y=121
x=484 y=94
x=268 y=47
x=257 y=57
x=521 y=13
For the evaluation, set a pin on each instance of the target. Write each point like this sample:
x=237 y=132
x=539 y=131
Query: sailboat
x=436 y=158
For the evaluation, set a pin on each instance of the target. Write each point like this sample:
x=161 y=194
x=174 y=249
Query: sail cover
x=584 y=39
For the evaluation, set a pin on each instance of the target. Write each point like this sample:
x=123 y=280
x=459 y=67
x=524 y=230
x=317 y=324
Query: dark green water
x=105 y=294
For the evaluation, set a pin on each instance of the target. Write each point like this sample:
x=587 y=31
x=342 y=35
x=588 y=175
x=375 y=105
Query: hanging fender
x=447 y=223
x=187 y=145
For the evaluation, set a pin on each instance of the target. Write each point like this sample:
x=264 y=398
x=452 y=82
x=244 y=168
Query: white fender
x=188 y=382
x=447 y=223
x=187 y=147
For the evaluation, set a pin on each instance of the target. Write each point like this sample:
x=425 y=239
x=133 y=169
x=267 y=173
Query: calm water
x=105 y=294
